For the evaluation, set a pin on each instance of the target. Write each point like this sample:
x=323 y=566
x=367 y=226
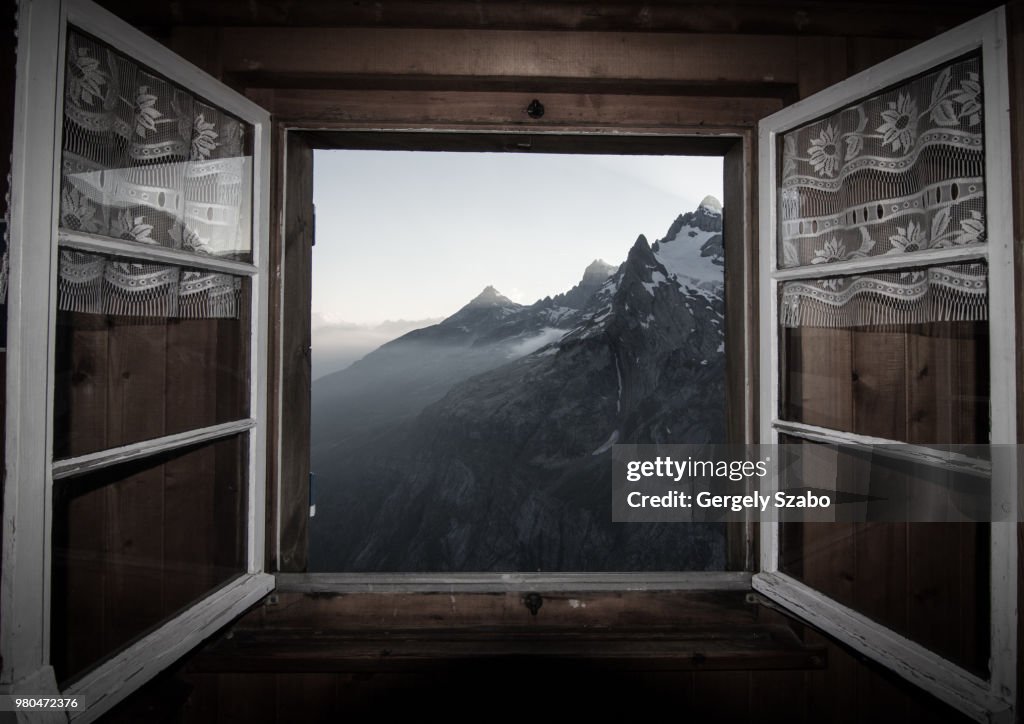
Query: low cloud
x=337 y=343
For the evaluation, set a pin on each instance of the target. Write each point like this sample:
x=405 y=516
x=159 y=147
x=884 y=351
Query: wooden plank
x=948 y=575
x=293 y=514
x=320 y=108
x=821 y=61
x=864 y=52
x=228 y=475
x=78 y=616
x=136 y=408
x=374 y=611
x=199 y=46
x=136 y=374
x=911 y=19
x=825 y=372
x=879 y=379
x=703 y=649
x=188 y=527
x=674 y=57
x=83 y=424
x=818 y=369
x=230 y=358
x=738 y=332
x=191 y=389
x=134 y=557
x=880 y=409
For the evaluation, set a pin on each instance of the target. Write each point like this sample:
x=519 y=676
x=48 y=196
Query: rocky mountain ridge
x=483 y=443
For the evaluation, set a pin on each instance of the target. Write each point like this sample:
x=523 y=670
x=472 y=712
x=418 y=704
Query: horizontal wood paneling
x=874 y=17
x=850 y=689
x=667 y=57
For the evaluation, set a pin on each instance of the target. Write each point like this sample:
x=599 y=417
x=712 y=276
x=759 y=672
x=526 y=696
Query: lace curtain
x=146 y=161
x=898 y=173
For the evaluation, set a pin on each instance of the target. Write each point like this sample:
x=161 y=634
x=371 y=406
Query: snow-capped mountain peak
x=491 y=297
x=692 y=251
x=711 y=205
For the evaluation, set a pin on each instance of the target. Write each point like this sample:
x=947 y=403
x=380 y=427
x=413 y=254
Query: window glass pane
x=900 y=356
x=147 y=161
x=928 y=582
x=896 y=173
x=126 y=377
x=481 y=439
x=134 y=544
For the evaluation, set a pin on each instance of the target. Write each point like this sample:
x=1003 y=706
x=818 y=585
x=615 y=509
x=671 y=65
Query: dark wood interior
x=925 y=384
x=123 y=562
x=688 y=72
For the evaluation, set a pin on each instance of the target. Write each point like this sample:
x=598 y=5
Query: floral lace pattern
x=957 y=292
x=146 y=161
x=897 y=173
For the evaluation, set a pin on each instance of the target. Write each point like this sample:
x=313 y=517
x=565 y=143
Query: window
x=888 y=298
x=480 y=438
x=134 y=505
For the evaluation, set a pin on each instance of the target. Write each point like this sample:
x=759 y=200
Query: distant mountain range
x=338 y=343
x=483 y=442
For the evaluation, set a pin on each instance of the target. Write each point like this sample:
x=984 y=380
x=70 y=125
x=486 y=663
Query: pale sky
x=412 y=235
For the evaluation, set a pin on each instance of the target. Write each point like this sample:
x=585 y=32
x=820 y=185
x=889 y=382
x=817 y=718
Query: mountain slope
x=510 y=468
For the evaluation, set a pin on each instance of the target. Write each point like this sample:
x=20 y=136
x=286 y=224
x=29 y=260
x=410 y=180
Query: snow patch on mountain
x=657 y=279
x=688 y=261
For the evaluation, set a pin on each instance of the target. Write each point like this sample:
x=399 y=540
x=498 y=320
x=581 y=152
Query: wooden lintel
x=420 y=109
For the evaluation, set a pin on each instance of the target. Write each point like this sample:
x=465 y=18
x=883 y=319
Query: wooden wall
x=477 y=66
x=665 y=67
x=137 y=542
x=241 y=680
x=925 y=384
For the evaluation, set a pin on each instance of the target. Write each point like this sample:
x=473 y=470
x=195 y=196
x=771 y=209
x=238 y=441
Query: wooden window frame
x=982 y=699
x=291 y=492
x=28 y=496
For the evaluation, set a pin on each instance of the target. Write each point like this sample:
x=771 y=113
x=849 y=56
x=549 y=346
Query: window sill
x=682 y=622
x=328 y=583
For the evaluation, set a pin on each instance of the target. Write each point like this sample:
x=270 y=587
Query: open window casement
x=887 y=305
x=136 y=385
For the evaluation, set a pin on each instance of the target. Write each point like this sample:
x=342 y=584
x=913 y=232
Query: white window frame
x=25 y=591
x=990 y=699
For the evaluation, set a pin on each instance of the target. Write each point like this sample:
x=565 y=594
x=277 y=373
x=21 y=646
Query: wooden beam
x=908 y=19
x=373 y=52
x=422 y=109
x=294 y=391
